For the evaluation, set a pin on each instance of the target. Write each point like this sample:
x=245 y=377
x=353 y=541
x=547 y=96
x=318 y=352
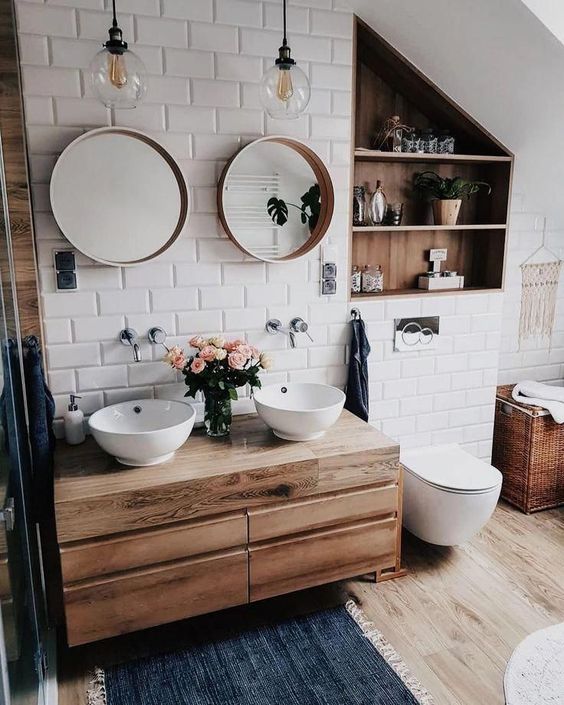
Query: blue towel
x=357 y=383
x=41 y=412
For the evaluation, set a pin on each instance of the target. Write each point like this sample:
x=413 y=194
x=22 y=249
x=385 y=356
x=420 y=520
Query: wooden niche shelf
x=387 y=84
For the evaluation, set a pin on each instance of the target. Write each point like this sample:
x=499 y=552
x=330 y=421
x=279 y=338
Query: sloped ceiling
x=502 y=65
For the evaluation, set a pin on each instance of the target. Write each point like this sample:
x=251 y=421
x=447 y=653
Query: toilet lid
x=451 y=468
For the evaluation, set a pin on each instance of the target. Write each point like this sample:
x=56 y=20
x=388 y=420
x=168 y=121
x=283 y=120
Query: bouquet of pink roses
x=218 y=368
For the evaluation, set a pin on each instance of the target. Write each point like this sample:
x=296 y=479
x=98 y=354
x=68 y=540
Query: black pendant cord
x=285 y=39
x=114 y=21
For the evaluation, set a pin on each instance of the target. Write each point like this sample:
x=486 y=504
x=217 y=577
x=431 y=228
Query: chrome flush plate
x=416 y=334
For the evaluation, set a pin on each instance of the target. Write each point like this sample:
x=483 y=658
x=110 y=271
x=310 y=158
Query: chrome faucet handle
x=298 y=325
x=273 y=326
x=128 y=336
x=157 y=336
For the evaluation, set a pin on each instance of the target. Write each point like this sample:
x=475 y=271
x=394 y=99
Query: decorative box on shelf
x=435 y=280
x=441 y=283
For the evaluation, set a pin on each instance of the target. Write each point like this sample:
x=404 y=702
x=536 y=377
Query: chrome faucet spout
x=129 y=337
x=292 y=337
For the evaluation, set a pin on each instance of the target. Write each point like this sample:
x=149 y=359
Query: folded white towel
x=548 y=396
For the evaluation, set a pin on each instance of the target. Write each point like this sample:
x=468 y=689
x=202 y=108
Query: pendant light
x=118 y=75
x=285 y=89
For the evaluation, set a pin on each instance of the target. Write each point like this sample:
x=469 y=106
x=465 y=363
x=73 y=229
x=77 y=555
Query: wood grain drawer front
x=104 y=608
x=308 y=514
x=89 y=559
x=278 y=567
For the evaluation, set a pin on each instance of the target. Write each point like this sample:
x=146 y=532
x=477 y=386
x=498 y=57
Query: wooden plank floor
x=455 y=618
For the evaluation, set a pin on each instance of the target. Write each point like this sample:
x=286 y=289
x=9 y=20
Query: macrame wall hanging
x=538 y=294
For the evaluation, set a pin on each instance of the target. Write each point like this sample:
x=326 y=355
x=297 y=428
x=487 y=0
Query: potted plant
x=217 y=368
x=446 y=194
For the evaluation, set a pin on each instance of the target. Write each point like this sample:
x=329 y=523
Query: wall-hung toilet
x=448 y=494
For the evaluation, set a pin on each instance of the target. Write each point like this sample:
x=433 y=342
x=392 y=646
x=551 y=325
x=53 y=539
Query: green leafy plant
x=310 y=208
x=430 y=184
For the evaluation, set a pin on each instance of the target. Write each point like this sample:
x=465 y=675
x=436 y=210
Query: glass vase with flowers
x=217 y=368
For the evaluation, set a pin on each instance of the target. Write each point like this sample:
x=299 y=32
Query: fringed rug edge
x=96 y=693
x=389 y=654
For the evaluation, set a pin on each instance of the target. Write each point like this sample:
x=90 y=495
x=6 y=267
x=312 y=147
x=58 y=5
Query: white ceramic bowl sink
x=143 y=431
x=299 y=411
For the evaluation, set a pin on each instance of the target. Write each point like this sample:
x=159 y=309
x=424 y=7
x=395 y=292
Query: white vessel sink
x=299 y=411
x=144 y=431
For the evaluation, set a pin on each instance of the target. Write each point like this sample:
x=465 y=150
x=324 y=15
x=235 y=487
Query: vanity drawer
x=102 y=608
x=278 y=567
x=325 y=510
x=88 y=559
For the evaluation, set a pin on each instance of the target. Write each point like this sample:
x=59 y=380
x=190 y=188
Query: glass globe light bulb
x=285 y=91
x=118 y=74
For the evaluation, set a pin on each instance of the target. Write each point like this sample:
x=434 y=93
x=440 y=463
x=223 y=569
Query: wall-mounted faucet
x=129 y=337
x=297 y=325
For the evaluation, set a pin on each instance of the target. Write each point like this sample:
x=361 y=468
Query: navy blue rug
x=333 y=657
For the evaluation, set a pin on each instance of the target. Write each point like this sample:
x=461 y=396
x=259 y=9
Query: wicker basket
x=528 y=449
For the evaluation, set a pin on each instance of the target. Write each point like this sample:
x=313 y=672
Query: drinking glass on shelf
x=394 y=214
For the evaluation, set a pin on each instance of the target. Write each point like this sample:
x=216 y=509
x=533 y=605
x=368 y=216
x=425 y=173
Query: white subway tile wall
x=205 y=59
x=541 y=359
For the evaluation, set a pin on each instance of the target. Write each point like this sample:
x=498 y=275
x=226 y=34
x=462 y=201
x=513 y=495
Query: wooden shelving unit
x=387 y=84
x=423 y=228
x=375 y=155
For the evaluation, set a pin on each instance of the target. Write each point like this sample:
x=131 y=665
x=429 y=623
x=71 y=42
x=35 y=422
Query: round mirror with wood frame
x=118 y=196
x=275 y=199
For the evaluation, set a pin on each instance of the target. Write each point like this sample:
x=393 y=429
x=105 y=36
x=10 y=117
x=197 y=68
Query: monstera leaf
x=312 y=200
x=309 y=210
x=277 y=210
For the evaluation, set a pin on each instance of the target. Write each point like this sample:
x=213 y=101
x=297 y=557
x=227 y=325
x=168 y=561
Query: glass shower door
x=22 y=666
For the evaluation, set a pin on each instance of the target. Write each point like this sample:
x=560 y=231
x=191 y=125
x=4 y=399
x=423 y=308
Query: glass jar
x=416 y=143
x=356 y=280
x=407 y=142
x=372 y=279
x=429 y=141
x=217 y=414
x=359 y=205
x=445 y=142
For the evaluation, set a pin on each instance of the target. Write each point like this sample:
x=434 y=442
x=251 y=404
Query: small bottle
x=356 y=280
x=74 y=423
x=378 y=204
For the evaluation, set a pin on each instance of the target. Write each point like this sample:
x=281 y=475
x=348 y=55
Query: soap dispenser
x=74 y=423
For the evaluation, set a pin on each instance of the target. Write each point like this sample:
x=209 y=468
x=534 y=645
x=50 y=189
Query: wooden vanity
x=225 y=522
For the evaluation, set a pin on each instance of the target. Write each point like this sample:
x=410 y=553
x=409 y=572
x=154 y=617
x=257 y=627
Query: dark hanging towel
x=357 y=382
x=41 y=411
